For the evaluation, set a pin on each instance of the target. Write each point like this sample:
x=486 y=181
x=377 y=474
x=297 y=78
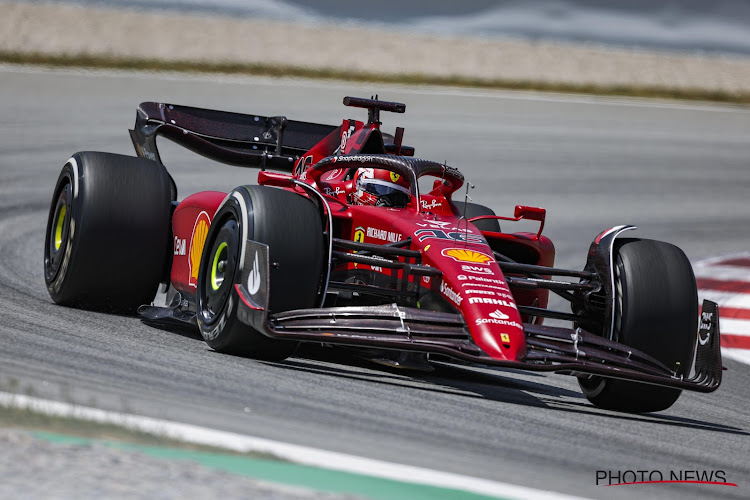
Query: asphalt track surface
x=679 y=171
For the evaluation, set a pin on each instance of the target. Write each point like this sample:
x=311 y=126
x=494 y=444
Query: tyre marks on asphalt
x=726 y=281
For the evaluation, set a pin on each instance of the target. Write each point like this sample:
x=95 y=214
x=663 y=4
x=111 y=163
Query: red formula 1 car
x=352 y=241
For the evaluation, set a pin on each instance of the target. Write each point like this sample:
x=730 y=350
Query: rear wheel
x=656 y=311
x=475 y=210
x=292 y=228
x=108 y=232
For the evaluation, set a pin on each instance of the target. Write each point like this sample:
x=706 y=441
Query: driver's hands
x=397 y=200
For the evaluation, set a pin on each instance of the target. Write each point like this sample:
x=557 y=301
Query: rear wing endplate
x=231 y=138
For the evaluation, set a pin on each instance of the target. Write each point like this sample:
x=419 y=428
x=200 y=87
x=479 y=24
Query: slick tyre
x=291 y=226
x=475 y=210
x=108 y=231
x=656 y=311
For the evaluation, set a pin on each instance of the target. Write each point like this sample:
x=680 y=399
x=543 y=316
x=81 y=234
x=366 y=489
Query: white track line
x=717 y=261
x=734 y=326
x=741 y=355
x=726 y=273
x=716 y=269
x=726 y=299
x=294 y=453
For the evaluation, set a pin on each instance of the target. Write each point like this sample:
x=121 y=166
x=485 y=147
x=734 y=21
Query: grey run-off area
x=293 y=37
x=678 y=171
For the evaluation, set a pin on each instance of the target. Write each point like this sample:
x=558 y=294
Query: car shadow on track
x=491 y=384
x=445 y=379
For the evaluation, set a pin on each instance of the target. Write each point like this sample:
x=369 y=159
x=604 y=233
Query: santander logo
x=498 y=314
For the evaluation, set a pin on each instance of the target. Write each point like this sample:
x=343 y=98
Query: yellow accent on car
x=462 y=255
x=59 y=227
x=214 y=283
x=359 y=235
x=196 y=247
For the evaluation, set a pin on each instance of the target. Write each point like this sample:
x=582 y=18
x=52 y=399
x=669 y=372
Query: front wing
x=561 y=350
x=552 y=349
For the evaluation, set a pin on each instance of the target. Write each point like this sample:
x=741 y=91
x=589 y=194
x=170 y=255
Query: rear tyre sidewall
x=656 y=311
x=115 y=239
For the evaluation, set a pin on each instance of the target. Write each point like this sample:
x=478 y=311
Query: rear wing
x=232 y=138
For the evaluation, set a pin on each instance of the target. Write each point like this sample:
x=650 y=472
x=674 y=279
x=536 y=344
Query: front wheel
x=292 y=228
x=656 y=311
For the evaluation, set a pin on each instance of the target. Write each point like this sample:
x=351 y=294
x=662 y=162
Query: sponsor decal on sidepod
x=494 y=281
x=467 y=256
x=382 y=234
x=197 y=240
x=476 y=269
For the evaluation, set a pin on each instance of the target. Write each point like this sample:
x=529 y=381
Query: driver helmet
x=379 y=187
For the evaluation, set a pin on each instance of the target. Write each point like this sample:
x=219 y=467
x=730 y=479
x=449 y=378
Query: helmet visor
x=381 y=188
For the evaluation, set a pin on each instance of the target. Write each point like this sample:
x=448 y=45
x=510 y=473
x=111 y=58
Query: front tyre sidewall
x=656 y=311
x=218 y=321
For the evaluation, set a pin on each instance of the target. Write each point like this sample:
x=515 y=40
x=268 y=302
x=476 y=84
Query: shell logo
x=464 y=255
x=200 y=232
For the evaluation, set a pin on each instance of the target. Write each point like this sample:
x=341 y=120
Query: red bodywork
x=472 y=281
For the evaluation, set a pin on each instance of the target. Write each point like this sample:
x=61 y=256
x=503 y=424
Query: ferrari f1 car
x=410 y=277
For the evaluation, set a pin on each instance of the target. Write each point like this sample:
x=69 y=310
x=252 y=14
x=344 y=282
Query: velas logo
x=465 y=255
x=197 y=241
x=333 y=174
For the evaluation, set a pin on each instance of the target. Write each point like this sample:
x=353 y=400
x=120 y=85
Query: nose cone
x=472 y=282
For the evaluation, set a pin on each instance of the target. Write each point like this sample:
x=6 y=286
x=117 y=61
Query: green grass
x=405 y=78
x=32 y=421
